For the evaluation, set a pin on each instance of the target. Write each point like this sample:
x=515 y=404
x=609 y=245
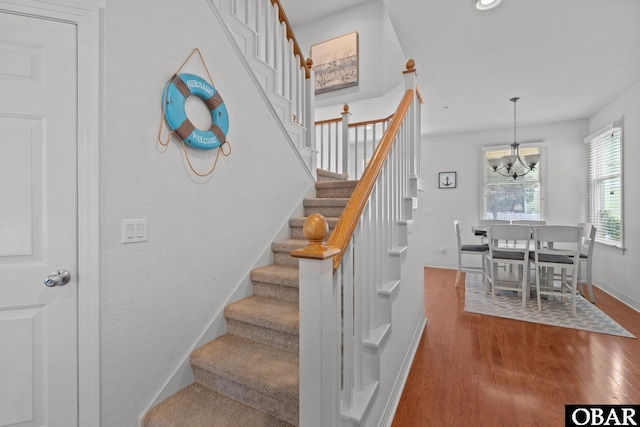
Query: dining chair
x=509 y=244
x=484 y=223
x=529 y=222
x=586 y=255
x=468 y=250
x=556 y=246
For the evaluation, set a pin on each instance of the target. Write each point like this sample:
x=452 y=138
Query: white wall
x=461 y=153
x=613 y=270
x=157 y=297
x=381 y=61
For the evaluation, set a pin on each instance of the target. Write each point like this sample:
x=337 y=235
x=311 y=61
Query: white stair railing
x=265 y=40
x=345 y=284
x=352 y=157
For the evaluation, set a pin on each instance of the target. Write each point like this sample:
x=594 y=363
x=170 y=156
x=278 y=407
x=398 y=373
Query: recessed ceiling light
x=487 y=4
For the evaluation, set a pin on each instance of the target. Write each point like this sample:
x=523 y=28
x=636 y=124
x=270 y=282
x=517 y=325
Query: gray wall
x=613 y=269
x=566 y=180
x=204 y=234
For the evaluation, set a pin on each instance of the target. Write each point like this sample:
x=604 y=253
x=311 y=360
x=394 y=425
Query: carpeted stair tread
x=325 y=175
x=277 y=275
x=260 y=367
x=265 y=312
x=199 y=406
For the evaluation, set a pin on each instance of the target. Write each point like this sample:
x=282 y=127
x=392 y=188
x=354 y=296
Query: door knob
x=58 y=278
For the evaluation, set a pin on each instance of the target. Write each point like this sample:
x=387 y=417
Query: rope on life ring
x=177 y=89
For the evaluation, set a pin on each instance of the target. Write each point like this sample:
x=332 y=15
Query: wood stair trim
x=361 y=401
x=388 y=288
x=243 y=362
x=197 y=405
x=377 y=335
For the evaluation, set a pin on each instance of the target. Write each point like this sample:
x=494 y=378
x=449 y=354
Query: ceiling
x=565 y=59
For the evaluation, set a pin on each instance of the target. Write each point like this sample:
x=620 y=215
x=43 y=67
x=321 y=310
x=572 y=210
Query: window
x=508 y=198
x=604 y=186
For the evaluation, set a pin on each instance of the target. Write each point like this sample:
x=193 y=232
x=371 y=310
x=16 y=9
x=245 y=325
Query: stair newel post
x=345 y=139
x=413 y=117
x=309 y=113
x=319 y=327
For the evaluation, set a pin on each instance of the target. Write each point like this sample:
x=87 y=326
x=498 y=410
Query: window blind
x=506 y=198
x=604 y=196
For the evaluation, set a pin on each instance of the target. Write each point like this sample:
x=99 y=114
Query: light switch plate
x=134 y=230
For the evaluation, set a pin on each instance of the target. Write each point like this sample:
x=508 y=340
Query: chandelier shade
x=513 y=165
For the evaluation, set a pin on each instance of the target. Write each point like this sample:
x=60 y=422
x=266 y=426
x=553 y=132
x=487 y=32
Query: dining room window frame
x=490 y=181
x=605 y=178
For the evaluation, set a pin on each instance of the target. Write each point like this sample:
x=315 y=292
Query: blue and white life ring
x=178 y=89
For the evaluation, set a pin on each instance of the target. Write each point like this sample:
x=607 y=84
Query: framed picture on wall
x=447 y=180
x=335 y=63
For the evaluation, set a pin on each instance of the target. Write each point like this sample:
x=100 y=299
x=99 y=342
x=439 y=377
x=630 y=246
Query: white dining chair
x=468 y=250
x=556 y=246
x=586 y=255
x=484 y=223
x=509 y=244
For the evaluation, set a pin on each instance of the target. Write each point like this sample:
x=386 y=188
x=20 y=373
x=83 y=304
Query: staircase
x=250 y=376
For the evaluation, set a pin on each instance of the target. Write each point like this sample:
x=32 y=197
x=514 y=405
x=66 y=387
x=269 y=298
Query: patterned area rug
x=554 y=312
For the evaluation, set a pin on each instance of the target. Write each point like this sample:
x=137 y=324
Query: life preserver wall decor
x=178 y=89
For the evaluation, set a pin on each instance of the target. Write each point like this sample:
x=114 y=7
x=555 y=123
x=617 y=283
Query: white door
x=38 y=222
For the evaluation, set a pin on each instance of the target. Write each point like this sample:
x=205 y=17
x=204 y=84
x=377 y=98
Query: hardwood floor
x=475 y=370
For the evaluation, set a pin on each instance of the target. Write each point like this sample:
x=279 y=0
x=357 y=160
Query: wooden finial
x=411 y=66
x=309 y=62
x=345 y=109
x=315 y=230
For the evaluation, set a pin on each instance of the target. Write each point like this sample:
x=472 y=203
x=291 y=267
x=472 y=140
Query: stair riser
x=285 y=258
x=281 y=409
x=331 y=193
x=269 y=290
x=326 y=211
x=278 y=339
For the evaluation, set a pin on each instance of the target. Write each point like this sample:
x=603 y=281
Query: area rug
x=554 y=312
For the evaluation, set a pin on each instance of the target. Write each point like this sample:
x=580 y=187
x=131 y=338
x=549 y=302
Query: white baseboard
x=618 y=295
x=398 y=387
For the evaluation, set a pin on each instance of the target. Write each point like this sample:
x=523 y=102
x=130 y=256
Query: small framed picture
x=447 y=180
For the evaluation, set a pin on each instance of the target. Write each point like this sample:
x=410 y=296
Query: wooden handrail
x=346 y=225
x=290 y=36
x=370 y=122
x=324 y=122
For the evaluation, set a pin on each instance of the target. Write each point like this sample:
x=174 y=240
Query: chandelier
x=513 y=165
